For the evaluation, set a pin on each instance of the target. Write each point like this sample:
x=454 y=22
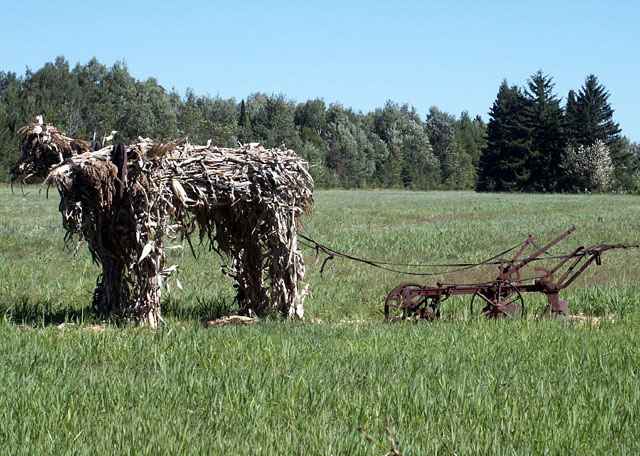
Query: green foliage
x=391 y=147
x=244 y=134
x=589 y=115
x=470 y=136
x=312 y=114
x=456 y=162
x=544 y=118
x=589 y=118
x=158 y=119
x=271 y=120
x=529 y=132
x=503 y=164
x=11 y=119
x=631 y=150
x=387 y=148
x=95 y=113
x=411 y=162
x=470 y=140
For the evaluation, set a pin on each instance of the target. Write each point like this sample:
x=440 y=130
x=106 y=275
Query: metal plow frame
x=502 y=297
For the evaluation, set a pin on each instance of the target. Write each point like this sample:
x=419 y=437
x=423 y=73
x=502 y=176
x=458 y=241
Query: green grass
x=453 y=387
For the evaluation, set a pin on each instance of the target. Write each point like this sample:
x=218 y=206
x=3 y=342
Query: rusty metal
x=502 y=296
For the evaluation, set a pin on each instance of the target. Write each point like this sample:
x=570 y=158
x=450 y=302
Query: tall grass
x=452 y=387
x=465 y=388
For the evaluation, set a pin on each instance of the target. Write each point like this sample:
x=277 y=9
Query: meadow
x=343 y=380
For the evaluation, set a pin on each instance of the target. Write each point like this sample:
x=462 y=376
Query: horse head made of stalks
x=44 y=147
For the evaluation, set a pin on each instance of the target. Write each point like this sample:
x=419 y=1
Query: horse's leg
x=149 y=275
x=252 y=293
x=108 y=297
x=286 y=274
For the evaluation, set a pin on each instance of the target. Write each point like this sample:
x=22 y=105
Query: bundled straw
x=246 y=201
x=43 y=147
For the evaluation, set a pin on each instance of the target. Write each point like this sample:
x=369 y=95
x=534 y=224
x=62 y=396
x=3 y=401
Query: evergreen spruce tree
x=589 y=118
x=243 y=123
x=544 y=118
x=571 y=120
x=504 y=158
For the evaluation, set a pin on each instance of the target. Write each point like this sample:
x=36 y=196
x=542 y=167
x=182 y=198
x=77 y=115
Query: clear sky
x=452 y=54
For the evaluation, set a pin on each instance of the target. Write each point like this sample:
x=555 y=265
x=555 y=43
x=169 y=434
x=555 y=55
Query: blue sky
x=452 y=54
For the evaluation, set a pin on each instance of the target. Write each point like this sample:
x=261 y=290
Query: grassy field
x=331 y=384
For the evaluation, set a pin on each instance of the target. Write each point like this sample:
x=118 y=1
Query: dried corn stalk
x=245 y=201
x=44 y=146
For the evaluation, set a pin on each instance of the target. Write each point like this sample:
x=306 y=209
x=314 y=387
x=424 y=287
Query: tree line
x=535 y=144
x=390 y=147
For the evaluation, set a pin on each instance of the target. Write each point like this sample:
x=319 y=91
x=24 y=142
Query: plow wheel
x=500 y=301
x=402 y=305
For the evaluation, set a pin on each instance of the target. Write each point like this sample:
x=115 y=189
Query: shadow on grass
x=203 y=309
x=44 y=312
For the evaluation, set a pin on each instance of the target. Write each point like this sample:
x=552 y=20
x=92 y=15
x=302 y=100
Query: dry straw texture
x=130 y=203
x=43 y=147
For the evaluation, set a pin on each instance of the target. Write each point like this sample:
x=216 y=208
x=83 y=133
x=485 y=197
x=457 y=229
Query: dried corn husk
x=246 y=202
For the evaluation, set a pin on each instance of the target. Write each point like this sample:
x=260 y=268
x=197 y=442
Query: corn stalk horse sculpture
x=127 y=201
